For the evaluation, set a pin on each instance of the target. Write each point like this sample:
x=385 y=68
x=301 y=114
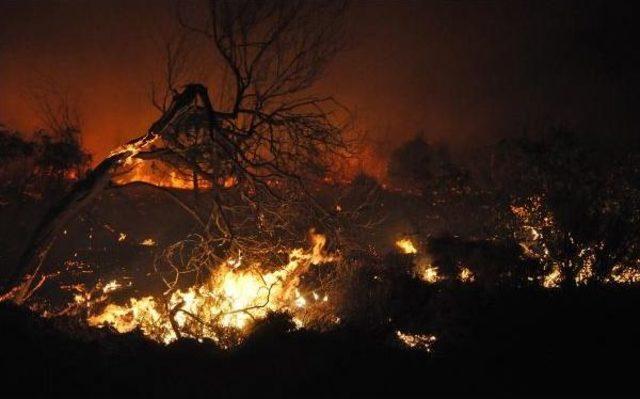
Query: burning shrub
x=220 y=301
x=486 y=262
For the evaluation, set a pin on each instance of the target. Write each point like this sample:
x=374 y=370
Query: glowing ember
x=122 y=237
x=625 y=275
x=133 y=149
x=111 y=286
x=148 y=242
x=585 y=274
x=553 y=279
x=417 y=341
x=230 y=182
x=466 y=275
x=430 y=275
x=406 y=246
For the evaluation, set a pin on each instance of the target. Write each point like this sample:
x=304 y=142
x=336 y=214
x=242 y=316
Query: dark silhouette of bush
x=507 y=341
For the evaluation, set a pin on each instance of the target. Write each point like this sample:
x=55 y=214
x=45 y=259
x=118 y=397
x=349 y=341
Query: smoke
x=464 y=73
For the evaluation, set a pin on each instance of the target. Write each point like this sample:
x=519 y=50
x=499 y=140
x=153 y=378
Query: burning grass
x=225 y=305
x=222 y=302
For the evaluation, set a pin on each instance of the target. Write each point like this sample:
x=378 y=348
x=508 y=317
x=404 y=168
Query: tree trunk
x=86 y=190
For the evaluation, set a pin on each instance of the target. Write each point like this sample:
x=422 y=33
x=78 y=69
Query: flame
x=231 y=299
x=155 y=173
x=406 y=246
x=466 y=275
x=133 y=149
x=553 y=279
x=235 y=262
x=418 y=341
x=111 y=286
x=430 y=275
x=148 y=242
x=229 y=181
x=142 y=313
x=161 y=175
x=585 y=274
x=625 y=275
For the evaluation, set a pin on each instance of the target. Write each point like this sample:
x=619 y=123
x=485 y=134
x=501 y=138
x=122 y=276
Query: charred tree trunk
x=22 y=282
x=83 y=193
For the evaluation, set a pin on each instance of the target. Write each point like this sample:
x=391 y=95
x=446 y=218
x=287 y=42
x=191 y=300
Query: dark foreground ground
x=581 y=342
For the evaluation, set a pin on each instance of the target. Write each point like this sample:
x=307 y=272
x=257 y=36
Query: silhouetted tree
x=257 y=151
x=43 y=166
x=444 y=186
x=574 y=205
x=410 y=166
x=16 y=154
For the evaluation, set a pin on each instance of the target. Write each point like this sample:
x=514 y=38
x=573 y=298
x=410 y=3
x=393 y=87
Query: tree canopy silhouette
x=256 y=154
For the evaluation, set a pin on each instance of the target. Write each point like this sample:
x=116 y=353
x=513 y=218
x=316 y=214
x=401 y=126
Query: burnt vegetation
x=496 y=333
x=224 y=252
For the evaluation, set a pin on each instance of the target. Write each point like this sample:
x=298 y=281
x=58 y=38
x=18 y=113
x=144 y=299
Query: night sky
x=463 y=73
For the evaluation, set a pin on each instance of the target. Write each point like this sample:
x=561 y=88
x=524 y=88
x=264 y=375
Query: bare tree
x=58 y=142
x=56 y=108
x=178 y=52
x=275 y=51
x=257 y=152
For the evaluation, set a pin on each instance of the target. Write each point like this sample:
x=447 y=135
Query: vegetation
x=218 y=253
x=516 y=342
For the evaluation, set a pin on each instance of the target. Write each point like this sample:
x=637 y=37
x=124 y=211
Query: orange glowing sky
x=460 y=72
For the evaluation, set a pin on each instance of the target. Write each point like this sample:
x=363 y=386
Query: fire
x=148 y=242
x=111 y=286
x=228 y=302
x=418 y=341
x=585 y=274
x=133 y=149
x=406 y=246
x=160 y=175
x=426 y=271
x=430 y=275
x=553 y=279
x=142 y=313
x=229 y=182
x=155 y=173
x=625 y=275
x=466 y=275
